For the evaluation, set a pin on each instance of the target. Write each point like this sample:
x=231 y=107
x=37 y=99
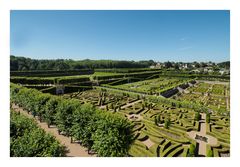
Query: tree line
x=224 y=65
x=25 y=64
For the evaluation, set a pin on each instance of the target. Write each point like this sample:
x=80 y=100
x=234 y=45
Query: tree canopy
x=25 y=64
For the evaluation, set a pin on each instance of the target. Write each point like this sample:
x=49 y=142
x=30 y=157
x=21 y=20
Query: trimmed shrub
x=208 y=117
x=51 y=110
x=67 y=80
x=32 y=81
x=53 y=73
x=167 y=123
x=210 y=153
x=197 y=116
x=192 y=151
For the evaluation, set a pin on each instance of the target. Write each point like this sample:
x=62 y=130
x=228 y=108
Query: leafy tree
x=173 y=104
x=224 y=64
x=112 y=137
x=197 y=116
x=210 y=153
x=159 y=119
x=208 y=117
x=192 y=150
x=40 y=102
x=168 y=64
x=84 y=124
x=64 y=115
x=167 y=123
x=155 y=120
x=27 y=140
x=51 y=110
x=176 y=66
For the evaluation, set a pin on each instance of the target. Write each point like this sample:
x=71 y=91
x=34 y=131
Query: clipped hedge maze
x=161 y=125
x=150 y=139
x=155 y=140
x=219 y=127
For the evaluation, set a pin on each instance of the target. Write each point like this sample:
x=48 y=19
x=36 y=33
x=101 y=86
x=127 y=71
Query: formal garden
x=214 y=96
x=142 y=114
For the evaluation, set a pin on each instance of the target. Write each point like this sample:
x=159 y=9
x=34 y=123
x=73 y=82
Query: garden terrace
x=32 y=81
x=130 y=76
x=218 y=89
x=205 y=77
x=52 y=80
x=160 y=126
x=126 y=70
x=79 y=80
x=49 y=73
x=153 y=86
x=213 y=96
x=200 y=88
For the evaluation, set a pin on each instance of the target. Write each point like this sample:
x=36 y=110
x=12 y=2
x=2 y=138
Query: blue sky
x=122 y=35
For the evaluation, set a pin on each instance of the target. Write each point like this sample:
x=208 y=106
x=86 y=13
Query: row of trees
x=192 y=65
x=23 y=64
x=28 y=140
x=105 y=133
x=176 y=65
x=225 y=64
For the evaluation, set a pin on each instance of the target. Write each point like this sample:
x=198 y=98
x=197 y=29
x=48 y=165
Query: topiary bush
x=208 y=117
x=192 y=150
x=197 y=116
x=210 y=153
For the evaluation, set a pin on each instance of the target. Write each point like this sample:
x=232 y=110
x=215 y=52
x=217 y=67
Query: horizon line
x=157 y=61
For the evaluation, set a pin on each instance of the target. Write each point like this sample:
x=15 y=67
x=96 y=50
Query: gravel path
x=202 y=144
x=74 y=149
